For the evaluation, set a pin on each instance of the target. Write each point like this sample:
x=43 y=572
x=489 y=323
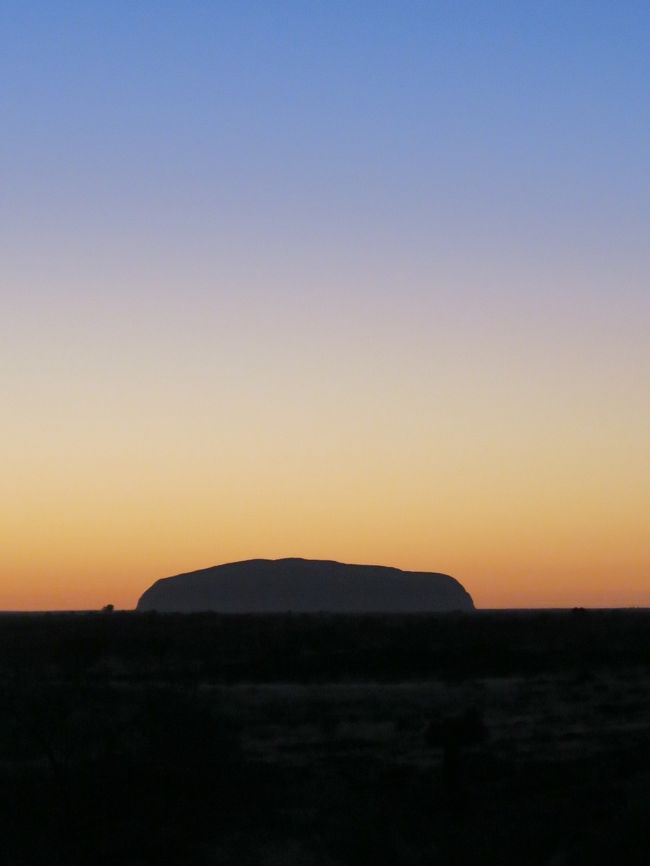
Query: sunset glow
x=329 y=282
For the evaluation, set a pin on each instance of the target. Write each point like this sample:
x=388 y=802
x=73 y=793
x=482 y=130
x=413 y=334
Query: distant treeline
x=312 y=647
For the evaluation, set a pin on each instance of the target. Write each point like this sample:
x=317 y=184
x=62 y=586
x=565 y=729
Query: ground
x=131 y=739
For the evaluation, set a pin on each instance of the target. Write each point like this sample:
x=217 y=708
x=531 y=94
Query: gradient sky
x=359 y=280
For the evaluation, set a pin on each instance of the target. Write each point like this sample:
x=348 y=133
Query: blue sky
x=273 y=105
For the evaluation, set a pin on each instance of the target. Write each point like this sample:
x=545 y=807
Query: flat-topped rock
x=305 y=586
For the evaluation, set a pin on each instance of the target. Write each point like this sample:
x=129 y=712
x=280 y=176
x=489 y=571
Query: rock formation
x=304 y=585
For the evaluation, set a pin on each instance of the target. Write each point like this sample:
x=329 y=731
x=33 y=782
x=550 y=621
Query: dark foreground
x=487 y=738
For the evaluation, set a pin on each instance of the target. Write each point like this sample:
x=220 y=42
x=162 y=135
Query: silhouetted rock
x=303 y=585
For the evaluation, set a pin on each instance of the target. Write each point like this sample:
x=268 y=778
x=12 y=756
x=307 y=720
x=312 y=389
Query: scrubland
x=325 y=741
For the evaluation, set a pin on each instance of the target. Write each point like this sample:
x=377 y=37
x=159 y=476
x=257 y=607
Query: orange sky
x=526 y=481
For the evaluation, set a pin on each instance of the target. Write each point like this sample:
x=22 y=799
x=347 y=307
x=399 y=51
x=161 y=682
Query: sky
x=362 y=280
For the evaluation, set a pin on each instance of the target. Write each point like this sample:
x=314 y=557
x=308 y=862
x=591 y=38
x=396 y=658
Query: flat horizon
x=328 y=613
